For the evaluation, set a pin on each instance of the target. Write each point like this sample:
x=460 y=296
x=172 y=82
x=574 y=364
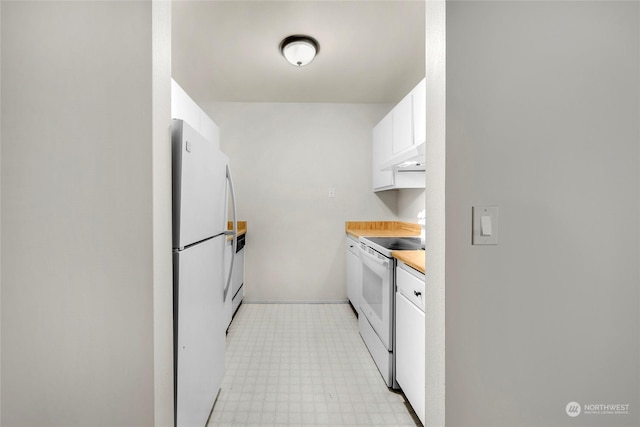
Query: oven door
x=377 y=293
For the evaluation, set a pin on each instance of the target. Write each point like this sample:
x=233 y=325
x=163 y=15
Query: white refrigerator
x=201 y=181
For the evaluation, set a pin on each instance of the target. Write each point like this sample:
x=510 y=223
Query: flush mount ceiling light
x=299 y=50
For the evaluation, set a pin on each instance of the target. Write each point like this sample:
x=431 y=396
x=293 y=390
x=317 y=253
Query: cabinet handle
x=416 y=293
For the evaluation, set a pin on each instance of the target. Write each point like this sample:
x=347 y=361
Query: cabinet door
x=403 y=125
x=354 y=275
x=381 y=151
x=410 y=353
x=420 y=113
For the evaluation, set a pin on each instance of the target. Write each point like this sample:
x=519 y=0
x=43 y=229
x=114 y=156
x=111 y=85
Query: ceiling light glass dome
x=299 y=50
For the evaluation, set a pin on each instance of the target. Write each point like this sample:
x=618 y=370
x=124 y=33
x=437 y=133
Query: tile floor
x=303 y=365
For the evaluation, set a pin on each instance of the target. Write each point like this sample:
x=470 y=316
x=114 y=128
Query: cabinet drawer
x=410 y=283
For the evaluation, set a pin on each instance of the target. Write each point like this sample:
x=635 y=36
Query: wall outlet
x=332 y=193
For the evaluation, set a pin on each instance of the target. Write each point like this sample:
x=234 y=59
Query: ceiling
x=227 y=51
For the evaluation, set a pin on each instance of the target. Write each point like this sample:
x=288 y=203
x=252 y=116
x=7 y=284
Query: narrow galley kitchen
x=314 y=144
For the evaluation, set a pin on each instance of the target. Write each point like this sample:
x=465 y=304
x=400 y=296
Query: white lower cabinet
x=410 y=342
x=354 y=273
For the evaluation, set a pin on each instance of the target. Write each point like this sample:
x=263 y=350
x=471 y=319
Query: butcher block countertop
x=390 y=229
x=242 y=227
x=413 y=259
x=381 y=229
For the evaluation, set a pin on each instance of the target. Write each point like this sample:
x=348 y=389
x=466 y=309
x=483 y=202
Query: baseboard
x=295 y=302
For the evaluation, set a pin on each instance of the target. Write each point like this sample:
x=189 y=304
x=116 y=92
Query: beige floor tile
x=303 y=365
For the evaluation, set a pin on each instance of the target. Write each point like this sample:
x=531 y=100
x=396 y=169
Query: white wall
x=185 y=108
x=0 y=216
x=162 y=215
x=435 y=209
x=542 y=120
x=410 y=202
x=284 y=158
x=77 y=221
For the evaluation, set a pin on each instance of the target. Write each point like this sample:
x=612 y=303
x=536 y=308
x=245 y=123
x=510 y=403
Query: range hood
x=409 y=160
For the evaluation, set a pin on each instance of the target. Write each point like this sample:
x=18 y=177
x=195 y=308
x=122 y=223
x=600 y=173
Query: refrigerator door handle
x=233 y=232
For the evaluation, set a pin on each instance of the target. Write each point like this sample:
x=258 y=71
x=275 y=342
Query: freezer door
x=199 y=186
x=199 y=330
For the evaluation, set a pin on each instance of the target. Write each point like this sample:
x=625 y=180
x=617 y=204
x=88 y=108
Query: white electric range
x=377 y=302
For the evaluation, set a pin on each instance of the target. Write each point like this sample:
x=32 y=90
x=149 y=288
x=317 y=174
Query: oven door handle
x=373 y=261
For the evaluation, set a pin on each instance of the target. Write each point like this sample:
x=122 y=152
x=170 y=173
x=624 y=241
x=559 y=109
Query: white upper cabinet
x=381 y=150
x=419 y=99
x=402 y=125
x=398 y=138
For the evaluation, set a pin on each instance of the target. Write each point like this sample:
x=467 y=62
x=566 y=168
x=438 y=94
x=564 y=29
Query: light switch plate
x=478 y=213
